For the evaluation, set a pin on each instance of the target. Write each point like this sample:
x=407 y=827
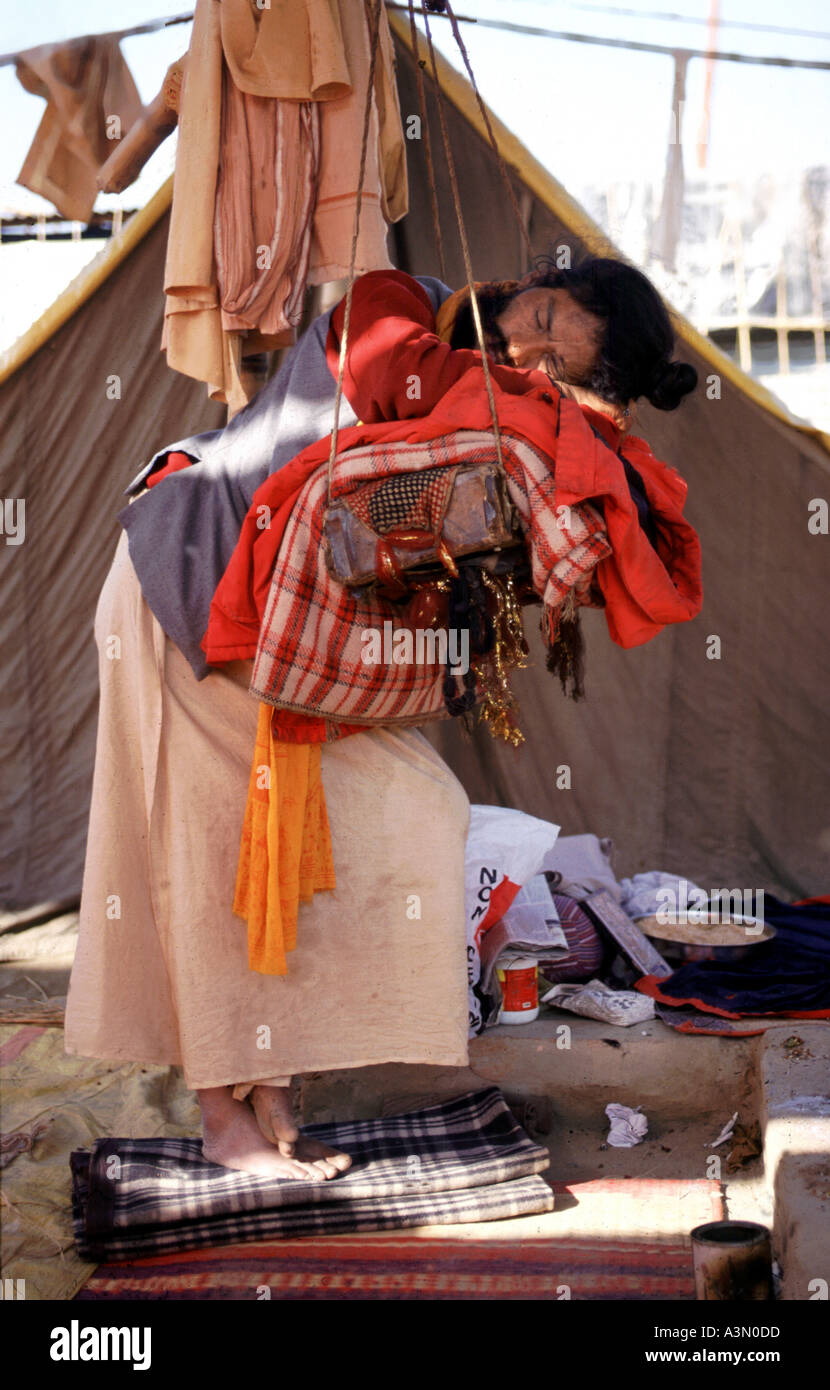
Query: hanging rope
x=465 y=249
x=419 y=78
x=500 y=705
x=374 y=30
x=485 y=117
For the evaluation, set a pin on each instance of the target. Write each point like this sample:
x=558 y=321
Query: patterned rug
x=538 y=1264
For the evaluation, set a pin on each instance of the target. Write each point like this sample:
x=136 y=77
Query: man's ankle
x=214 y=1099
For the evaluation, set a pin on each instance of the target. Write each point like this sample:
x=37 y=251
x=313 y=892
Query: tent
x=704 y=753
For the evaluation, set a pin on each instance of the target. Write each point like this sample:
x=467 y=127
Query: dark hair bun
x=670 y=383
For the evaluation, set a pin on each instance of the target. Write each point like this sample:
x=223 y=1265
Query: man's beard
x=601 y=382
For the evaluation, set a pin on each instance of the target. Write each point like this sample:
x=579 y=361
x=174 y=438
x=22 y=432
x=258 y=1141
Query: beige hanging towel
x=342 y=131
x=265 y=202
x=290 y=51
x=192 y=333
x=260 y=205
x=85 y=84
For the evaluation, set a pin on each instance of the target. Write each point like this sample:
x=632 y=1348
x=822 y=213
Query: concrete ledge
x=577 y=1064
x=795 y=1116
x=678 y=1075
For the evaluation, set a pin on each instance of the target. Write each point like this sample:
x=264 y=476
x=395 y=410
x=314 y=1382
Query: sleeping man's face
x=547 y=330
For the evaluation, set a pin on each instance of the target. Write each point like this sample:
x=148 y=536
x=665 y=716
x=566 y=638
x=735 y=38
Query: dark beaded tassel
x=462 y=615
x=566 y=651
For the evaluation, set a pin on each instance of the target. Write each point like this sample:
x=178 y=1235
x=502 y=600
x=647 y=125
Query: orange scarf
x=285 y=854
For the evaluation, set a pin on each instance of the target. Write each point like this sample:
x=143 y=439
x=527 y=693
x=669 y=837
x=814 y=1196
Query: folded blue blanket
x=788 y=975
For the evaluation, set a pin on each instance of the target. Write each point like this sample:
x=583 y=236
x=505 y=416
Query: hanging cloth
x=265 y=200
x=285 y=50
x=341 y=130
x=86 y=83
x=275 y=174
x=285 y=853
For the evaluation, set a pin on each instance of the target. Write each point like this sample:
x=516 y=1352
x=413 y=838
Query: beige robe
x=161 y=973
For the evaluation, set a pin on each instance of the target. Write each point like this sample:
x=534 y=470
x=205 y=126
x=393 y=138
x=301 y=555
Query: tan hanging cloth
x=265 y=200
x=391 y=143
x=342 y=130
x=244 y=292
x=85 y=84
x=291 y=51
x=192 y=333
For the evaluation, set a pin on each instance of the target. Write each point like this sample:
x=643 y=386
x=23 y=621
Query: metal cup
x=732 y=1262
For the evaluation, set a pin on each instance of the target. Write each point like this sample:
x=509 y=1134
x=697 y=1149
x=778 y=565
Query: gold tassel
x=499 y=708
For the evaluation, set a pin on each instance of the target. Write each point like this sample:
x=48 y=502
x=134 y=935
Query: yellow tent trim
x=550 y=192
x=90 y=279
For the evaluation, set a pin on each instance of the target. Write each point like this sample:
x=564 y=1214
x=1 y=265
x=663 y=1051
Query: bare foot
x=272 y=1108
x=232 y=1137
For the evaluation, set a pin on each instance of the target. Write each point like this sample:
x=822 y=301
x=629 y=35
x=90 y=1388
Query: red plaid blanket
x=312 y=642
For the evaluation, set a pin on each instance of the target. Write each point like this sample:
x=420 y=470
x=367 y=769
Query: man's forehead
x=562 y=300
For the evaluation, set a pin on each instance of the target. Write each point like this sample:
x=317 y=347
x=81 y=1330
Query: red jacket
x=405 y=384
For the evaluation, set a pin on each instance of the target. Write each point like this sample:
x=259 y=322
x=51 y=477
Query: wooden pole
x=705 y=120
x=781 y=315
x=143 y=138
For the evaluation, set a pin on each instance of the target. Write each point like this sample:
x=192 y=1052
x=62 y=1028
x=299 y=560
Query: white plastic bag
x=504 y=850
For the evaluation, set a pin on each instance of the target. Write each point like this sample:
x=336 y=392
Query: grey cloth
x=646 y=894
x=582 y=866
x=181 y=536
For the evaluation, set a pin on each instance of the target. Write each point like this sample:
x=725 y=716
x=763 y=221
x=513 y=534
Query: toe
x=283 y=1129
x=300 y=1171
x=273 y=1114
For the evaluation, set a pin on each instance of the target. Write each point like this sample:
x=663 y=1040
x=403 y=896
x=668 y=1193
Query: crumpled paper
x=628 y=1127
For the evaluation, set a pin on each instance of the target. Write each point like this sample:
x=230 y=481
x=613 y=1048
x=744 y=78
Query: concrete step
x=795 y=1112
x=576 y=1064
x=558 y=1074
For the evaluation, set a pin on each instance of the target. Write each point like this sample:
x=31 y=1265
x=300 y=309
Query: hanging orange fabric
x=285 y=854
x=87 y=86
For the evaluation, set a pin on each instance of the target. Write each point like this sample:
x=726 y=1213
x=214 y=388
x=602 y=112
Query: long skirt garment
x=161 y=973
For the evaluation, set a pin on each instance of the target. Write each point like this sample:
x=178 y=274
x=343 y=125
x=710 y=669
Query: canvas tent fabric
x=702 y=757
x=95 y=398
x=63 y=1103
